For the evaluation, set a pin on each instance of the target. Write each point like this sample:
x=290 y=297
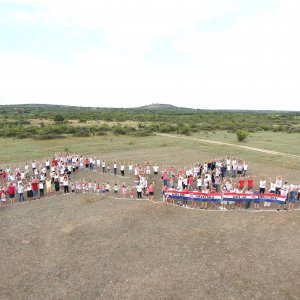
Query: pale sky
x=216 y=54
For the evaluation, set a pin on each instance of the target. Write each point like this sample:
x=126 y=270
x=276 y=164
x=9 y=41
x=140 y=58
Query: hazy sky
x=124 y=53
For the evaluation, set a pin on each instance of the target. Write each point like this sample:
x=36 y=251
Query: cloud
x=251 y=64
x=131 y=25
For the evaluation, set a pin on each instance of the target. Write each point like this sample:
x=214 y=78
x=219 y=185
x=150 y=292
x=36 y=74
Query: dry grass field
x=88 y=246
x=166 y=151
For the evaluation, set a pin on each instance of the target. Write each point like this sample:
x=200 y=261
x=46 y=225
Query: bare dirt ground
x=92 y=247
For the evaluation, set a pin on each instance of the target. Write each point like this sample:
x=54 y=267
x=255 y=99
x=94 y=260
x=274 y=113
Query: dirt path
x=231 y=145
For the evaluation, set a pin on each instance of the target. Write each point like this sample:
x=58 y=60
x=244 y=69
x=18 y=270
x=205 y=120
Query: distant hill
x=166 y=108
x=160 y=108
x=155 y=106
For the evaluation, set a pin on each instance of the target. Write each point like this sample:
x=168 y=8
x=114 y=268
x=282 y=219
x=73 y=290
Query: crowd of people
x=58 y=175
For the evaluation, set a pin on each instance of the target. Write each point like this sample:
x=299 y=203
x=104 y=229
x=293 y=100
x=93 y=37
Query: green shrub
x=100 y=133
x=58 y=118
x=142 y=133
x=24 y=135
x=117 y=130
x=184 y=130
x=48 y=137
x=82 y=132
x=241 y=135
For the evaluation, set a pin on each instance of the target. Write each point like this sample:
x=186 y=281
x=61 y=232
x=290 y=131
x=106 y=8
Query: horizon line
x=149 y=105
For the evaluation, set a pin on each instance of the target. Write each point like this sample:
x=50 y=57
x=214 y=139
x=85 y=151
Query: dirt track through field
x=231 y=145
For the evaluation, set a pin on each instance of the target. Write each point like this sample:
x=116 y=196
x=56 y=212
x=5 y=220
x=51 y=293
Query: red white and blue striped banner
x=271 y=198
x=217 y=197
x=237 y=197
x=257 y=197
x=193 y=195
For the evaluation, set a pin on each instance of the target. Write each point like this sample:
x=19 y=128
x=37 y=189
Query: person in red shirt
x=87 y=162
x=190 y=182
x=11 y=191
x=151 y=192
x=242 y=183
x=35 y=188
x=250 y=183
x=54 y=162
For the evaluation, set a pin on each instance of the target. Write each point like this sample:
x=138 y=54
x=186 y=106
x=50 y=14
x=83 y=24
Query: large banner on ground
x=218 y=197
x=193 y=195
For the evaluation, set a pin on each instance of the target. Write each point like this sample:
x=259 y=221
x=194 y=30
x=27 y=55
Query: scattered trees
x=31 y=121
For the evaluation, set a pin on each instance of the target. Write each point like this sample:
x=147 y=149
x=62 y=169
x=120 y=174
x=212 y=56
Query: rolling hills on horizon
x=162 y=107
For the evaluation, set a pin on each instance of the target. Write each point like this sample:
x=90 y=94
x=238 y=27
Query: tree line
x=55 y=121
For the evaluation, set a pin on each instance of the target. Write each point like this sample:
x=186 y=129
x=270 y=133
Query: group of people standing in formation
x=48 y=176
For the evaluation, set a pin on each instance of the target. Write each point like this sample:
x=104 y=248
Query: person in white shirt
x=155 y=169
x=272 y=189
x=139 y=191
x=130 y=168
x=245 y=168
x=199 y=183
x=179 y=183
x=278 y=185
x=284 y=192
x=103 y=167
x=234 y=168
x=227 y=171
x=122 y=169
x=21 y=192
x=41 y=188
x=66 y=184
x=262 y=186
x=115 y=168
x=47 y=164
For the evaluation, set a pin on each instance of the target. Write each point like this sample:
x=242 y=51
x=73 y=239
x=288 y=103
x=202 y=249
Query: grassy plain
x=166 y=151
x=277 y=141
x=76 y=123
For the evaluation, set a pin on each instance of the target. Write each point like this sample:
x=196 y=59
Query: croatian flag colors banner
x=193 y=195
x=271 y=198
x=238 y=197
x=217 y=197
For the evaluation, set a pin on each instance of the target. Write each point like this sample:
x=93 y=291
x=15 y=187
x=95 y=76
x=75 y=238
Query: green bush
x=117 y=130
x=143 y=132
x=241 y=135
x=82 y=132
x=58 y=118
x=24 y=135
x=100 y=133
x=48 y=137
x=184 y=130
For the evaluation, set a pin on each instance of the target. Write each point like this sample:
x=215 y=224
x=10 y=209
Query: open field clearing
x=276 y=141
x=37 y=122
x=86 y=246
x=164 y=151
